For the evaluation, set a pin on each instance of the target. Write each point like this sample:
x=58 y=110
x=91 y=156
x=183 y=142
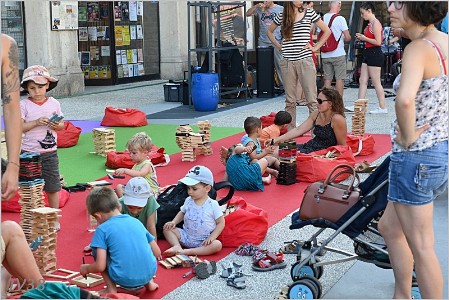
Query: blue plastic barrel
x=205 y=91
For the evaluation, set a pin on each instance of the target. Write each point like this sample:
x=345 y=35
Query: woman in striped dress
x=297 y=63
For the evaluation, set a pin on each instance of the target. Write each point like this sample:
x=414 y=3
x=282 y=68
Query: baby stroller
x=359 y=223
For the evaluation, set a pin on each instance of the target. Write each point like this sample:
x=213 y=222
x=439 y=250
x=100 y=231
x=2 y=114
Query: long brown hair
x=334 y=96
x=288 y=19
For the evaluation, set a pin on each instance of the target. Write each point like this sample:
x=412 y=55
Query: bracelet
x=14 y=163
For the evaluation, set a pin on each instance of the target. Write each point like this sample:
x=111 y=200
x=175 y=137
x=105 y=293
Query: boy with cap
x=40 y=129
x=124 y=251
x=140 y=203
x=202 y=216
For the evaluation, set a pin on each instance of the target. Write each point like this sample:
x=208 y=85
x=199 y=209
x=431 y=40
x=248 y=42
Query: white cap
x=137 y=192
x=198 y=174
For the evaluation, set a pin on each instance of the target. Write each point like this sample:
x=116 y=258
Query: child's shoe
x=266 y=179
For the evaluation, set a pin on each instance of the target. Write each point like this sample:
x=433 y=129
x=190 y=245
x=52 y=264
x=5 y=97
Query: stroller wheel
x=416 y=294
x=297 y=273
x=315 y=283
x=320 y=271
x=302 y=289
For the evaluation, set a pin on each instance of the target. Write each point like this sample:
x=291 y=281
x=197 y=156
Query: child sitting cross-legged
x=124 y=251
x=202 y=216
x=140 y=203
x=139 y=146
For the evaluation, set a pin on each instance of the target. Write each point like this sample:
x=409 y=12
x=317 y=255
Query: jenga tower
x=104 y=140
x=359 y=117
x=31 y=197
x=43 y=222
x=183 y=136
x=204 y=128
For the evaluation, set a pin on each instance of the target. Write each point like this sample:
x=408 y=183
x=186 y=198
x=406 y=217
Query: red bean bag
x=269 y=120
x=121 y=159
x=124 y=117
x=14 y=206
x=68 y=137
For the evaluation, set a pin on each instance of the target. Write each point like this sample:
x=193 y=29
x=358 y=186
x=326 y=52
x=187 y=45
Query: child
x=245 y=174
x=124 y=251
x=40 y=133
x=140 y=203
x=202 y=216
x=281 y=122
x=139 y=146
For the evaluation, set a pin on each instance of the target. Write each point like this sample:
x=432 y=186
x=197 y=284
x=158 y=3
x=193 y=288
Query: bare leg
x=363 y=81
x=374 y=74
x=212 y=248
x=119 y=190
x=19 y=260
x=53 y=199
x=151 y=286
x=399 y=252
x=339 y=86
x=223 y=155
x=173 y=237
x=111 y=286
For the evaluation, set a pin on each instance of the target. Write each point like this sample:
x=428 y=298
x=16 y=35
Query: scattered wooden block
x=69 y=274
x=91 y=280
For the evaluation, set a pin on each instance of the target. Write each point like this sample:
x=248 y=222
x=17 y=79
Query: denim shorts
x=418 y=177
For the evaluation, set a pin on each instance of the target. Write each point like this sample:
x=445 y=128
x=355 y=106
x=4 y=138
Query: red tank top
x=369 y=33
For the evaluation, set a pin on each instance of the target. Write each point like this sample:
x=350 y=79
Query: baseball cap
x=198 y=174
x=137 y=192
x=39 y=75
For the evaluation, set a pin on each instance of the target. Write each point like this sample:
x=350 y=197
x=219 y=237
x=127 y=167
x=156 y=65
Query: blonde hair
x=140 y=141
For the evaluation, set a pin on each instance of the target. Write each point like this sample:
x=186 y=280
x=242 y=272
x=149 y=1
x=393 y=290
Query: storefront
x=116 y=45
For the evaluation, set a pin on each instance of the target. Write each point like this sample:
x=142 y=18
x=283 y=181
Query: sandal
x=270 y=261
x=231 y=269
x=364 y=167
x=246 y=249
x=204 y=269
x=236 y=280
x=292 y=247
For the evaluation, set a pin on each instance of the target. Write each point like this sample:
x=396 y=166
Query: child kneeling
x=202 y=216
x=124 y=251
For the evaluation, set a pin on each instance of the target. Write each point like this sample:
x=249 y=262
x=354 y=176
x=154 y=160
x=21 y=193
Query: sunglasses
x=397 y=4
x=320 y=101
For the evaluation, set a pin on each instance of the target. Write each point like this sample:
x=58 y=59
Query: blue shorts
x=418 y=177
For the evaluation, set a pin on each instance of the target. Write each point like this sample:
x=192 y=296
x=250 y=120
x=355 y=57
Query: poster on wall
x=64 y=15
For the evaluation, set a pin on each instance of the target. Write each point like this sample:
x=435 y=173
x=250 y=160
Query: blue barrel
x=205 y=91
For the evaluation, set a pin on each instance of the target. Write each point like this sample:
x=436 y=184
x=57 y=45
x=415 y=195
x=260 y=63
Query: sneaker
x=349 y=108
x=379 y=111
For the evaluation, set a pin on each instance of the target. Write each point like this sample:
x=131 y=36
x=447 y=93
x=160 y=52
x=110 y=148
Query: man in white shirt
x=334 y=62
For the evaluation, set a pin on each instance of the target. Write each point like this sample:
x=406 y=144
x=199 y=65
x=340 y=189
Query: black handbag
x=173 y=198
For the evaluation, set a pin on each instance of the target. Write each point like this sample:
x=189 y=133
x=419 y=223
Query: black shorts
x=374 y=57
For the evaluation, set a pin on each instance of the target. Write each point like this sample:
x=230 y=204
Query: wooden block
x=177 y=260
x=91 y=280
x=171 y=261
x=166 y=264
x=69 y=274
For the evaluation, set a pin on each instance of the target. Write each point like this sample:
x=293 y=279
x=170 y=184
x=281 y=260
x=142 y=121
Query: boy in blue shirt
x=124 y=251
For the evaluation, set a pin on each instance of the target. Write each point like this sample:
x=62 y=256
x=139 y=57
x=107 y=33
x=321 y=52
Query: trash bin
x=205 y=91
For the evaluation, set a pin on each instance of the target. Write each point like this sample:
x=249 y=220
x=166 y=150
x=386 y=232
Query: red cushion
x=69 y=136
x=14 y=206
x=123 y=117
x=121 y=159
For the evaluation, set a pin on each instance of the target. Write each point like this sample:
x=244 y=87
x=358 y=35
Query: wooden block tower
x=204 y=129
x=104 y=140
x=43 y=221
x=359 y=117
x=188 y=141
x=287 y=168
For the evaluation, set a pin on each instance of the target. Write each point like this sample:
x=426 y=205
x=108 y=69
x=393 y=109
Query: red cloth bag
x=361 y=145
x=115 y=160
x=69 y=136
x=124 y=117
x=247 y=223
x=13 y=204
x=313 y=166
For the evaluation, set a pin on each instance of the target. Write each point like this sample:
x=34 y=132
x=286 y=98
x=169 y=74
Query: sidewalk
x=344 y=281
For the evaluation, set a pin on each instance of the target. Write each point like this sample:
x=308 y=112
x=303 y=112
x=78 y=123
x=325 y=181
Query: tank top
x=431 y=108
x=369 y=33
x=323 y=137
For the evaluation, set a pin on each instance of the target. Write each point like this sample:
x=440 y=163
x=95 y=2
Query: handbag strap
x=224 y=184
x=347 y=169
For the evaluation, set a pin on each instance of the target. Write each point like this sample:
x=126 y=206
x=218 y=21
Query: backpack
x=331 y=44
x=173 y=198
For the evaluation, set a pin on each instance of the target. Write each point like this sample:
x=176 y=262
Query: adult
x=327 y=123
x=334 y=62
x=418 y=167
x=374 y=58
x=266 y=12
x=297 y=62
x=11 y=113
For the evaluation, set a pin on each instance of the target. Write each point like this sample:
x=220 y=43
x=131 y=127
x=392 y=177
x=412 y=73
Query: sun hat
x=198 y=174
x=137 y=192
x=39 y=75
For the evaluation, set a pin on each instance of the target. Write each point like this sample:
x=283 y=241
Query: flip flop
x=204 y=269
x=365 y=167
x=292 y=247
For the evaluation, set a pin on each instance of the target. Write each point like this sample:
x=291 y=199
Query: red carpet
x=74 y=236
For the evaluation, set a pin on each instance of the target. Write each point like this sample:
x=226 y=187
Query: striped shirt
x=294 y=49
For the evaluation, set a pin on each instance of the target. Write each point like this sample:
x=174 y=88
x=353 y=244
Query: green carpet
x=78 y=165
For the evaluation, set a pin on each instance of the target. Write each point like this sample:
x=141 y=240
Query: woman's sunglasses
x=320 y=101
x=397 y=4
